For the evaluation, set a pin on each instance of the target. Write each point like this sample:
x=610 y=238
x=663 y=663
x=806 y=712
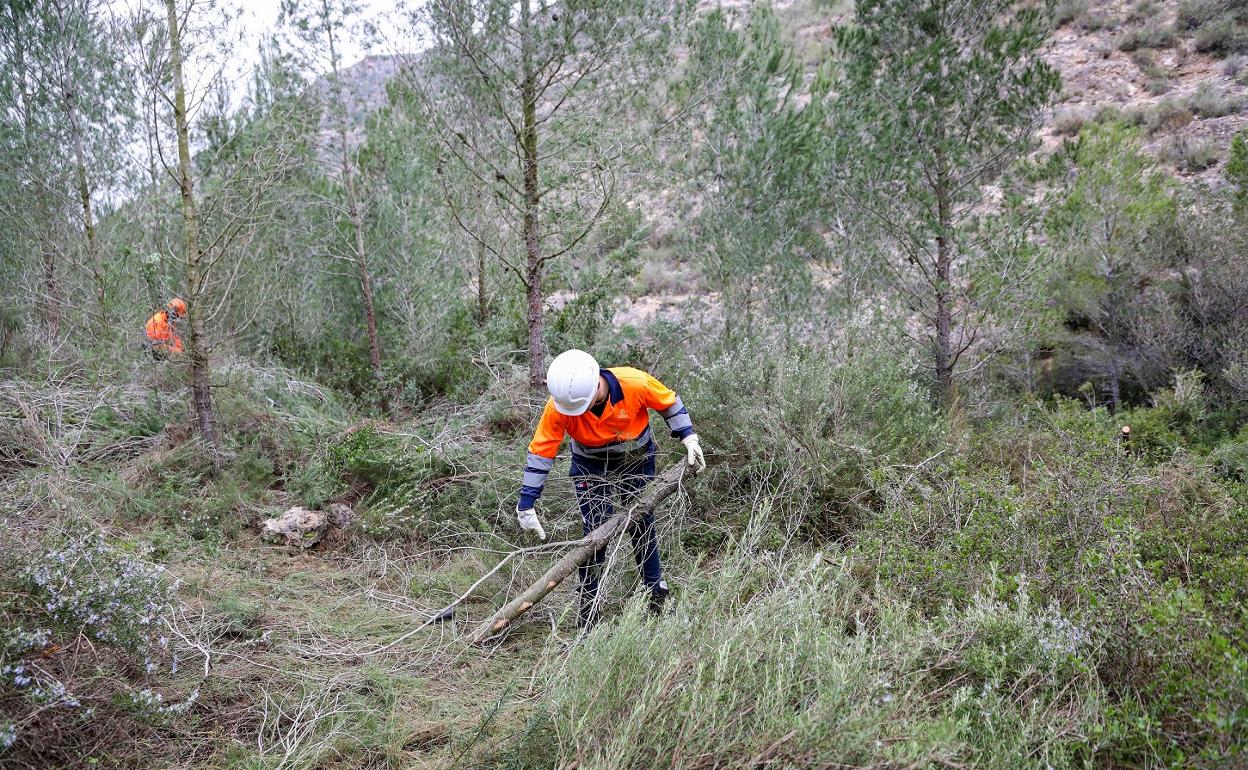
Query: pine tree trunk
x=944 y=301
x=200 y=370
x=353 y=204
x=483 y=305
x=535 y=265
x=88 y=219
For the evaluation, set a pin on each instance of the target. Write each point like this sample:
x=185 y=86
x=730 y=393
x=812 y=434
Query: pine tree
x=200 y=368
x=537 y=105
x=939 y=96
x=320 y=27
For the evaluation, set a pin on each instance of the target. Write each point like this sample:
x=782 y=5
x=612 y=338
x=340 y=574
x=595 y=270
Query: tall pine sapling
x=543 y=109
x=939 y=97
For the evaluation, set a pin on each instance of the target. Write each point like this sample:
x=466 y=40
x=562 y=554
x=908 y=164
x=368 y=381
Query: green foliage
x=1115 y=178
x=1219 y=26
x=582 y=81
x=1055 y=502
x=911 y=72
x=1113 y=225
x=1212 y=101
x=1166 y=115
x=764 y=145
x=790 y=658
x=580 y=323
x=807 y=423
x=859 y=579
x=340 y=362
x=1237 y=170
x=1230 y=460
x=1152 y=33
x=408 y=490
x=1191 y=155
x=1070 y=11
x=71 y=586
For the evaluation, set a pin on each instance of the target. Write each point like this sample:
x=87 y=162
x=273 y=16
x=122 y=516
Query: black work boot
x=658 y=595
x=589 y=612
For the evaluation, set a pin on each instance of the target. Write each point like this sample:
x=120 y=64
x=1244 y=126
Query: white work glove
x=529 y=523
x=697 y=460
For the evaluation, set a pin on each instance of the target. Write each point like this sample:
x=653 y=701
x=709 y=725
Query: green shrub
x=1068 y=11
x=405 y=486
x=1222 y=36
x=1158 y=86
x=805 y=421
x=1151 y=34
x=1192 y=14
x=784 y=658
x=1230 y=460
x=1069 y=121
x=1212 y=101
x=581 y=320
x=1142 y=11
x=1220 y=26
x=1158 y=76
x=1190 y=154
x=86 y=650
x=1237 y=170
x=1149 y=555
x=1180 y=419
x=343 y=362
x=1166 y=115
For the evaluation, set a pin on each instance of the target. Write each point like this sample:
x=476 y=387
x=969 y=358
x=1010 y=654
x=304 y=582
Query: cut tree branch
x=652 y=495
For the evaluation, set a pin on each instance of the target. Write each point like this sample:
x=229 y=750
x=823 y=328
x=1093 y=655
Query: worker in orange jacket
x=606 y=412
x=162 y=338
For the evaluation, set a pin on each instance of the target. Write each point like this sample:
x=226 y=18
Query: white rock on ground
x=299 y=527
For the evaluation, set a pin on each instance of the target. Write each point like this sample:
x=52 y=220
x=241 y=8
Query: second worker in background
x=606 y=414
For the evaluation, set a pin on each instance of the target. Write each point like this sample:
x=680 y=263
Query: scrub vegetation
x=974 y=404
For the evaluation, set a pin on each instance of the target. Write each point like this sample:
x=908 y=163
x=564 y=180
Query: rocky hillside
x=365 y=86
x=1165 y=66
x=1177 y=68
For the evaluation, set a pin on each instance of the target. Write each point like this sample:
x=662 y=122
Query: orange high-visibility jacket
x=161 y=334
x=623 y=427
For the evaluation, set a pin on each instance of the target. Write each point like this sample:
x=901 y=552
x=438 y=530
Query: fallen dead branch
x=654 y=493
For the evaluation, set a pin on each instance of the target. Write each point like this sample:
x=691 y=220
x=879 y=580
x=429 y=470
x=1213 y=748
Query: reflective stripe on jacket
x=623 y=427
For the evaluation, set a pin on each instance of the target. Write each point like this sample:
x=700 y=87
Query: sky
x=257 y=21
x=254 y=22
x=389 y=17
x=260 y=17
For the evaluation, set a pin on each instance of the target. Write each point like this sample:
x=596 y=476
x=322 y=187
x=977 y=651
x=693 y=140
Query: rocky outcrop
x=303 y=528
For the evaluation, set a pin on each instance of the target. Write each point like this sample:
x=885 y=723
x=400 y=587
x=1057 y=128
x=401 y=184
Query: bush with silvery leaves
x=78 y=600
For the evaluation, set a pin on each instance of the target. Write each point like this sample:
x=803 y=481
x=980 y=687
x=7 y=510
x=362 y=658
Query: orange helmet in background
x=178 y=306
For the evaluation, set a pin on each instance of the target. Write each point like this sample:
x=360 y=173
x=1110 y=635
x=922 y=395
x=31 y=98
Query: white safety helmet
x=572 y=380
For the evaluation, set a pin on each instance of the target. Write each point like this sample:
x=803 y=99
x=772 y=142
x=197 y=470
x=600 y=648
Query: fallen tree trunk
x=654 y=493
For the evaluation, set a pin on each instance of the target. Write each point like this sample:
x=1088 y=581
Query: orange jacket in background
x=161 y=334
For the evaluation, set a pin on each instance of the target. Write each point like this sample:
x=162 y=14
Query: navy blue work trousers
x=598 y=482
